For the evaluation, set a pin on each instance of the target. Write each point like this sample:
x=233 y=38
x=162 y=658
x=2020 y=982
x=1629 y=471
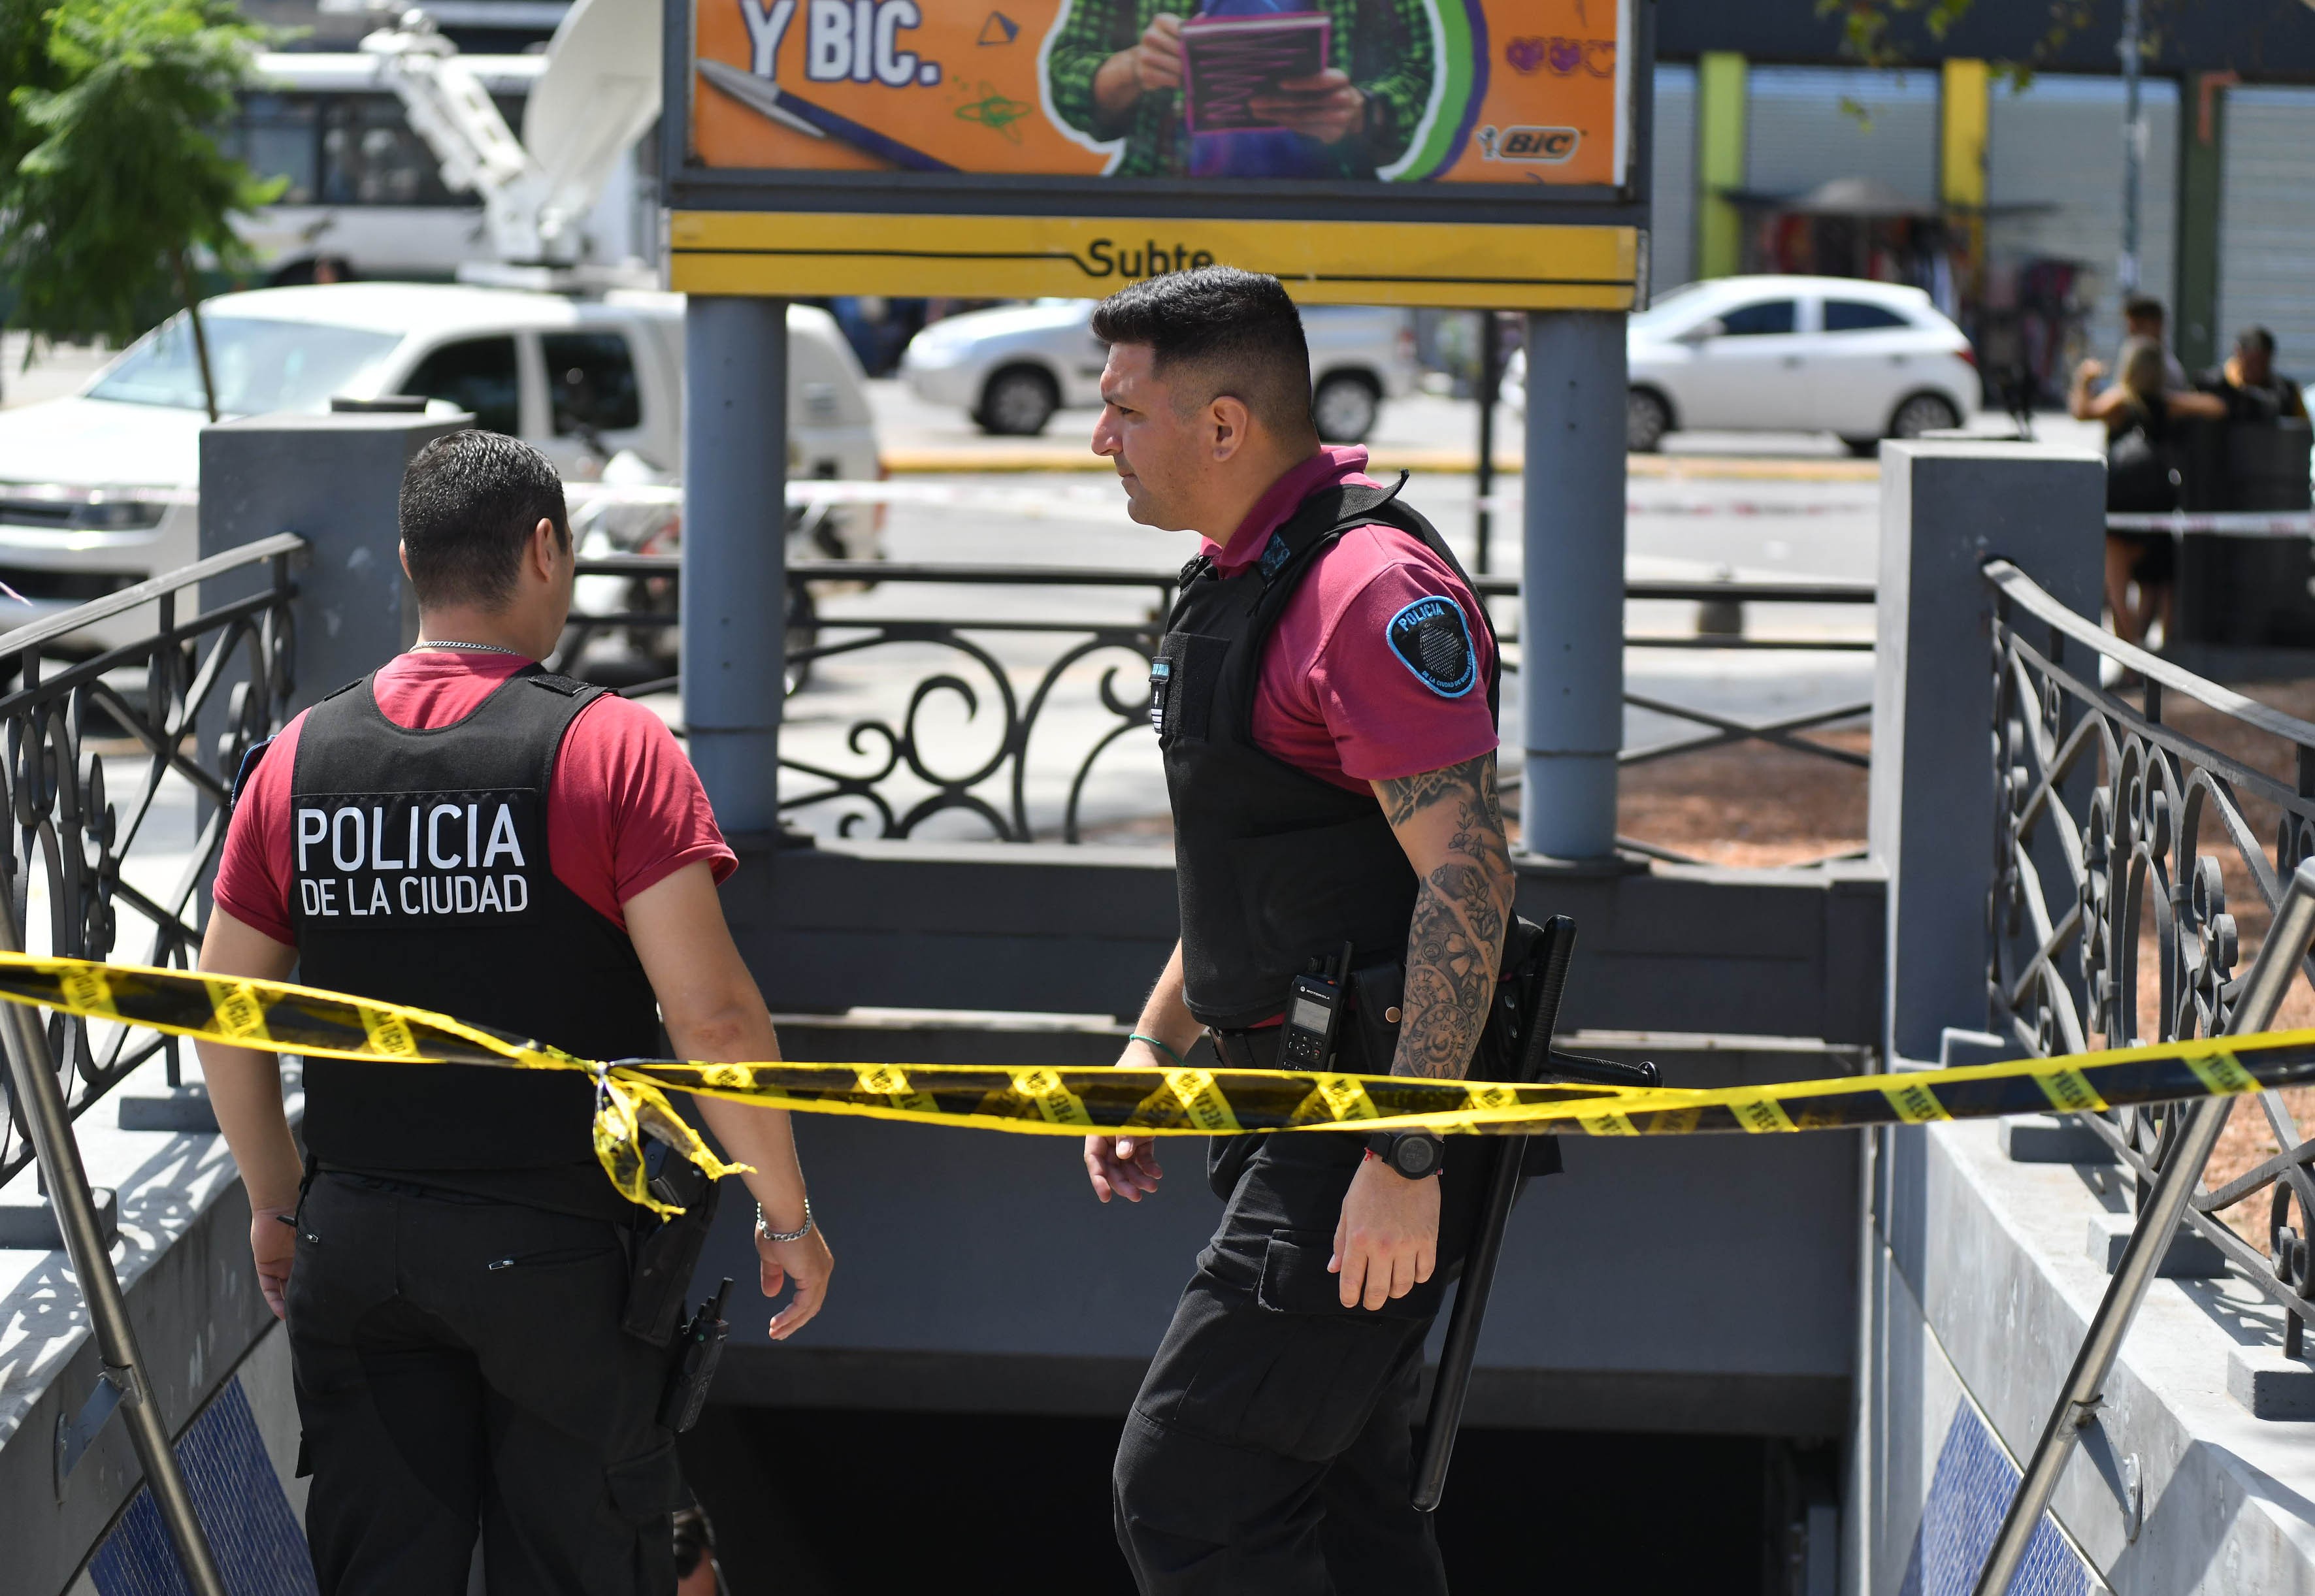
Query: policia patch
x=1433 y=639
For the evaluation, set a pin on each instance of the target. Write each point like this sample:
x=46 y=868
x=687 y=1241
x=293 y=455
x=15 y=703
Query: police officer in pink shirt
x=1324 y=696
x=480 y=1326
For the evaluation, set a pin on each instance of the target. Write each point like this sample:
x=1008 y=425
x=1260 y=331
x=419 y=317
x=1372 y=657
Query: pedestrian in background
x=2255 y=394
x=2142 y=415
x=2142 y=316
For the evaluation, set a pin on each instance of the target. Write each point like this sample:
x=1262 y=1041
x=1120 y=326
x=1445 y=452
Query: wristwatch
x=1411 y=1153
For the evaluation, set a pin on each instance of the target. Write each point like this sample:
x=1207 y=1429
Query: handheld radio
x=694 y=1369
x=1314 y=1014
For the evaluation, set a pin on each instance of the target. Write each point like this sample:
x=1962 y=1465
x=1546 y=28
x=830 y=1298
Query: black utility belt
x=1349 y=1024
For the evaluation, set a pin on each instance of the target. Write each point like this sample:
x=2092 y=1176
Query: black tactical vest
x=419 y=875
x=1275 y=867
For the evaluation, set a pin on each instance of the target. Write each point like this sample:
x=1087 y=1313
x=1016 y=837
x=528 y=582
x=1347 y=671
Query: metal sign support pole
x=734 y=587
x=41 y=1094
x=1572 y=584
x=2270 y=977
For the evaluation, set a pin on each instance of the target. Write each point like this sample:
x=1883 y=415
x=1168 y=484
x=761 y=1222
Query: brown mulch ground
x=1750 y=804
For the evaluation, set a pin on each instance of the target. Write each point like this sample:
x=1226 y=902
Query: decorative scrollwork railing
x=97 y=760
x=994 y=786
x=2117 y=831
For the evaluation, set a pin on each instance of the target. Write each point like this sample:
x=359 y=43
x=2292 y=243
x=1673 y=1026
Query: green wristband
x=1179 y=1062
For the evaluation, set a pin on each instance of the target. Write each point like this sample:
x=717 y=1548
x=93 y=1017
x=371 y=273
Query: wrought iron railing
x=2120 y=840
x=105 y=746
x=902 y=783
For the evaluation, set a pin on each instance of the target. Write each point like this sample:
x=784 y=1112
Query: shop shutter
x=2058 y=148
x=2266 y=223
x=1671 y=254
x=1797 y=133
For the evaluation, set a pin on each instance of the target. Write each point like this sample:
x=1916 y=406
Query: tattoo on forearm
x=1456 y=942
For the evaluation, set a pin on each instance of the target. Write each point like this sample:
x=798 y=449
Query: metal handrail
x=64 y=819
x=64 y=823
x=2111 y=825
x=80 y=618
x=2029 y=595
x=1085 y=576
x=814 y=637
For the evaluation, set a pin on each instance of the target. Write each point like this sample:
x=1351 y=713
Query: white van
x=582 y=379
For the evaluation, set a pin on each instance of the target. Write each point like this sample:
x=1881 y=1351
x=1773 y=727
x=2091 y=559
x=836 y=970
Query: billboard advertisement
x=1449 y=152
x=1391 y=91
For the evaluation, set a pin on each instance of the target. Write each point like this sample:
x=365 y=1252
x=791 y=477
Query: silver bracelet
x=798 y=1234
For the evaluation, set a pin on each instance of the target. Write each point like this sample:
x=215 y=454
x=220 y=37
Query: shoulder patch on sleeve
x=1433 y=639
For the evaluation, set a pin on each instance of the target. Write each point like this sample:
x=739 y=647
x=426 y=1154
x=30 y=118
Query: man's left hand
x=808 y=1263
x=1387 y=1242
x=1324 y=106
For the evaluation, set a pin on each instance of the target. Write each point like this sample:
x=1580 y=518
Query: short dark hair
x=469 y=502
x=1238 y=329
x=2258 y=338
x=2143 y=307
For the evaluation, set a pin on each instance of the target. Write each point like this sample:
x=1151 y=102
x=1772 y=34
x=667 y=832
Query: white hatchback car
x=1013 y=366
x=582 y=379
x=1864 y=361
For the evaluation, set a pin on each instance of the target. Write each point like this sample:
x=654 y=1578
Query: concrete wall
x=1050 y=928
x=184 y=1262
x=1703 y=1286
x=1982 y=1285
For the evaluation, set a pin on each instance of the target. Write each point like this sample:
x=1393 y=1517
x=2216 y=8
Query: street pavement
x=62 y=369
x=1744 y=507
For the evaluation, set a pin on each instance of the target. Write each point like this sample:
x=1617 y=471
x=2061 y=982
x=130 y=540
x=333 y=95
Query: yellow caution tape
x=631 y=1103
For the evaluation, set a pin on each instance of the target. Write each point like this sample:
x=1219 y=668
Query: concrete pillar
x=1719 y=161
x=735 y=430
x=2196 y=336
x=1572 y=584
x=1946 y=508
x=334 y=480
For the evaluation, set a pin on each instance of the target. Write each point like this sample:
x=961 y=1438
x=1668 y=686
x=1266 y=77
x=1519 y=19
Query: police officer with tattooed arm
x=483 y=1332
x=1324 y=696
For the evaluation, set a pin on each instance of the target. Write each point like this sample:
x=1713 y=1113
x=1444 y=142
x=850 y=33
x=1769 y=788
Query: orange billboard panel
x=1530 y=92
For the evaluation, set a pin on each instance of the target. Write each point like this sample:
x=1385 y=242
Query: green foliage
x=119 y=179
x=1866 y=24
x=23 y=64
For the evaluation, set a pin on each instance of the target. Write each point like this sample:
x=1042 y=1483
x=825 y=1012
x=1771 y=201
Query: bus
x=364 y=196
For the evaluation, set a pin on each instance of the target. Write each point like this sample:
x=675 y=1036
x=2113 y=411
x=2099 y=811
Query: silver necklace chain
x=481 y=648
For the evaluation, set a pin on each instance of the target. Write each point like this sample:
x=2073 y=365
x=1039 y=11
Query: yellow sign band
x=632 y=1100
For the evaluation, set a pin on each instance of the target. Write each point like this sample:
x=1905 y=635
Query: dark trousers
x=460 y=1367
x=1270 y=1448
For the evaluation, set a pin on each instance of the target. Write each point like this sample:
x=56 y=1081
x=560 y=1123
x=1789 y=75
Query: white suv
x=80 y=516
x=1011 y=368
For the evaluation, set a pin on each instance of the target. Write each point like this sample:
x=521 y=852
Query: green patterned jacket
x=1390 y=42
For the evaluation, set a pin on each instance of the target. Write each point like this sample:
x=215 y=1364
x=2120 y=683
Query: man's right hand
x=1157 y=57
x=1123 y=1165
x=273 y=1243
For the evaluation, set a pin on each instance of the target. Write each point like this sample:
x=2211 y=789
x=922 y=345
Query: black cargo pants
x=1270 y=1446
x=460 y=1367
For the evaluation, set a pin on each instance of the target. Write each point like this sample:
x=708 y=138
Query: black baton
x=1454 y=1382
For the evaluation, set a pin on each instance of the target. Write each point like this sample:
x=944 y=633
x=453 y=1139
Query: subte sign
x=1444 y=152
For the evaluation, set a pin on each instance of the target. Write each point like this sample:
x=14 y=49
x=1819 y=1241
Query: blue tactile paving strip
x=1968 y=1493
x=259 y=1547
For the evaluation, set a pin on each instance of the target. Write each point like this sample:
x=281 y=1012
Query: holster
x=666 y=1255
x=1366 y=1041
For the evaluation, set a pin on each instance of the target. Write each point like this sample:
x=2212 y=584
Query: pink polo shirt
x=1336 y=698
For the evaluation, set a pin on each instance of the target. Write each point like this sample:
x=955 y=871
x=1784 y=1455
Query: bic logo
x=1546 y=146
